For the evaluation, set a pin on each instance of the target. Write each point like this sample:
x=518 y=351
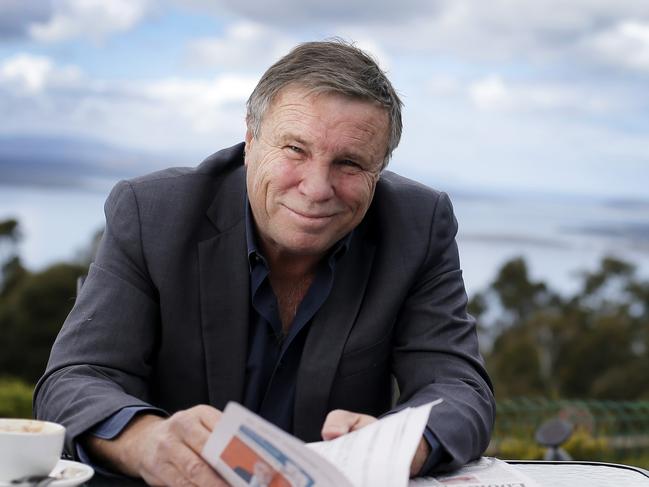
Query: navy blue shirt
x=274 y=358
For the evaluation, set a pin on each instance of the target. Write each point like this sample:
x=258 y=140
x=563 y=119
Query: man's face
x=312 y=170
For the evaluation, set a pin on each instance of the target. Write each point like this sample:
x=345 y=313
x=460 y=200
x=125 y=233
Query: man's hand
x=340 y=422
x=163 y=451
x=421 y=454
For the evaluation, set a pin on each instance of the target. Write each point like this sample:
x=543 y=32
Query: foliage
x=9 y=230
x=33 y=306
x=517 y=363
x=637 y=460
x=15 y=398
x=513 y=448
x=11 y=269
x=31 y=316
x=593 y=344
x=612 y=431
x=582 y=445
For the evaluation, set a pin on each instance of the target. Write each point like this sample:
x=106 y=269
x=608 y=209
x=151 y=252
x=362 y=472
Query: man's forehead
x=297 y=92
x=299 y=104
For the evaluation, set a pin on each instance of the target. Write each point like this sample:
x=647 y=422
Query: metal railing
x=604 y=430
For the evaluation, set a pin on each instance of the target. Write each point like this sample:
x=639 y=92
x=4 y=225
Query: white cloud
x=626 y=44
x=295 y=14
x=252 y=47
x=92 y=19
x=456 y=145
x=17 y=15
x=442 y=84
x=199 y=102
x=39 y=96
x=26 y=72
x=491 y=93
x=501 y=30
x=29 y=74
x=244 y=45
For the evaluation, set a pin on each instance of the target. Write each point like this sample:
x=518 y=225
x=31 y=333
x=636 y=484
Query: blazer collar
x=328 y=335
x=224 y=293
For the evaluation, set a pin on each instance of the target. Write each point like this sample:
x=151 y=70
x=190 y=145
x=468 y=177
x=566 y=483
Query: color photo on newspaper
x=259 y=463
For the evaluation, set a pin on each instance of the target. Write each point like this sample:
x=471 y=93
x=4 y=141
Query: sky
x=525 y=95
x=520 y=97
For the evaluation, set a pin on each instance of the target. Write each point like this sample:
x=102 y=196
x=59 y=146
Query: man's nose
x=317 y=181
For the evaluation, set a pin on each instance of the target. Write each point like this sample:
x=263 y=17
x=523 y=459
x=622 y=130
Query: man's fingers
x=196 y=471
x=421 y=454
x=340 y=422
x=208 y=415
x=172 y=455
x=168 y=474
x=180 y=465
x=165 y=474
x=194 y=425
x=337 y=423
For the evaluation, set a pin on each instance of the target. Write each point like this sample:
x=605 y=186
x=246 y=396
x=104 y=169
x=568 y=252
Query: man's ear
x=248 y=139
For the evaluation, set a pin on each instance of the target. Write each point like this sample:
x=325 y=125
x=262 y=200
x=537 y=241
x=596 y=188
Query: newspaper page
x=485 y=472
x=380 y=453
x=248 y=451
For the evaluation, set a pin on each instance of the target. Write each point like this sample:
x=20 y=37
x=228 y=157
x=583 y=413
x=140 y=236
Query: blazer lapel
x=327 y=337
x=224 y=294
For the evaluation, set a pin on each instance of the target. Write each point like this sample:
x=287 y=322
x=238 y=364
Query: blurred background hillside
x=533 y=116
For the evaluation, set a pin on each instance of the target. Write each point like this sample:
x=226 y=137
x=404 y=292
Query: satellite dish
x=552 y=434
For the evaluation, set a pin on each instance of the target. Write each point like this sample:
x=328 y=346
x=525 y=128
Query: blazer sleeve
x=435 y=353
x=105 y=350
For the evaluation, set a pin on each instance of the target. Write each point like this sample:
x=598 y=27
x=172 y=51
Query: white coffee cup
x=29 y=447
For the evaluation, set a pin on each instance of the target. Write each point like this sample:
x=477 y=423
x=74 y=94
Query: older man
x=290 y=273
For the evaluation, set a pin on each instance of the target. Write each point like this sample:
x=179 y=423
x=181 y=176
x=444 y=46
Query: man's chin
x=307 y=247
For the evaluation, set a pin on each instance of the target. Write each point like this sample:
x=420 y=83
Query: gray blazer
x=162 y=318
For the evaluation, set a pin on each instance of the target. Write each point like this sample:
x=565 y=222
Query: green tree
x=517 y=294
x=591 y=344
x=33 y=305
x=31 y=316
x=9 y=230
x=515 y=366
x=11 y=268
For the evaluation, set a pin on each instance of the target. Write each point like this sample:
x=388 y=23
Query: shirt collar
x=255 y=257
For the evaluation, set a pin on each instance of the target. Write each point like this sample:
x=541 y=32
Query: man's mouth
x=311 y=215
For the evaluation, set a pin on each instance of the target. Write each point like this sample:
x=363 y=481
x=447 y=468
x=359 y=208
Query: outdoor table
x=575 y=474
x=546 y=474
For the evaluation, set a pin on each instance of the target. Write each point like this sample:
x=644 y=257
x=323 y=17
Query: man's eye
x=351 y=164
x=294 y=148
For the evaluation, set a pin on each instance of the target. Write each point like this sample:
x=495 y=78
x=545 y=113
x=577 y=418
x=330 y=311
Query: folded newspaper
x=485 y=472
x=248 y=451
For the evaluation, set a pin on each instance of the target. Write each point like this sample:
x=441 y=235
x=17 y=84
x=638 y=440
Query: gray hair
x=333 y=66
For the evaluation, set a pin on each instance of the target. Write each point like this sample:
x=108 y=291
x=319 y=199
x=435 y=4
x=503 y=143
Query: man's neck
x=288 y=267
x=290 y=277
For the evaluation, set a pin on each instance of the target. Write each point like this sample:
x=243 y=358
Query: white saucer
x=68 y=474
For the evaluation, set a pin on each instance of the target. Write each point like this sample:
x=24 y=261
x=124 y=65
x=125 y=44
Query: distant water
x=557 y=236
x=56 y=223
